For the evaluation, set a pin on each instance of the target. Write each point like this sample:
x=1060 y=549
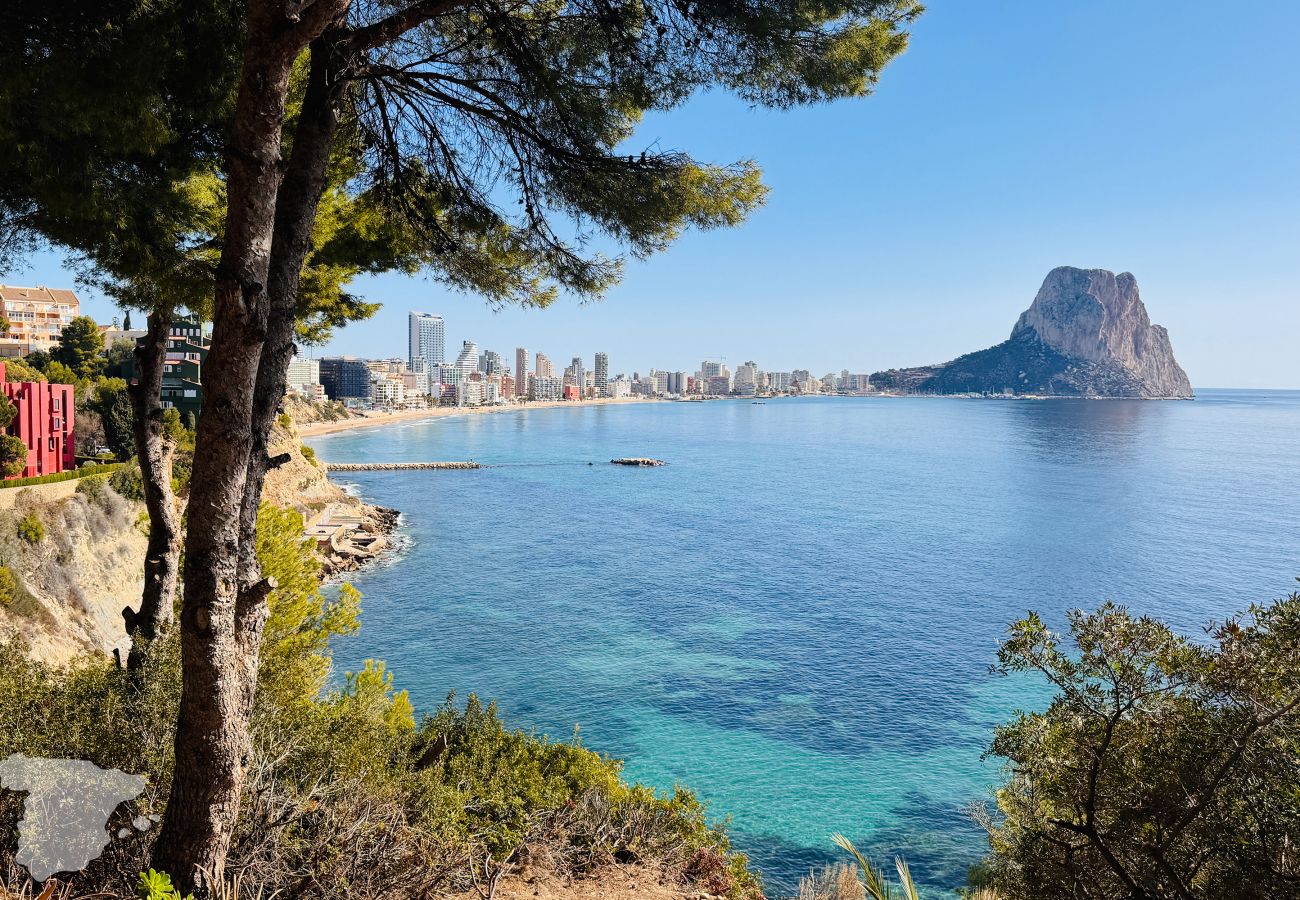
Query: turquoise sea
x=796 y=616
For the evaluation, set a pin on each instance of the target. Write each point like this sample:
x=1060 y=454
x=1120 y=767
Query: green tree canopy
x=1164 y=769
x=57 y=373
x=19 y=370
x=81 y=347
x=113 y=405
x=13 y=456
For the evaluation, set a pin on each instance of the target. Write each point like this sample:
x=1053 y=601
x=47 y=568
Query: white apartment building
x=302 y=373
x=37 y=316
x=427 y=338
x=746 y=380
x=478 y=393
x=385 y=391
x=545 y=387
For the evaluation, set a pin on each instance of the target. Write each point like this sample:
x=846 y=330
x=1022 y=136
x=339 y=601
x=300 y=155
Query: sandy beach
x=373 y=418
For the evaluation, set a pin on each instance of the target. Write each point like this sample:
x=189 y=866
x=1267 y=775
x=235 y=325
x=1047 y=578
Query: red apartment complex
x=44 y=423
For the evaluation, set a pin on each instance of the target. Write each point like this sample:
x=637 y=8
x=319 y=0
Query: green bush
x=309 y=454
x=8 y=586
x=127 y=481
x=19 y=601
x=13 y=455
x=93 y=487
x=31 y=529
x=346 y=793
x=1164 y=767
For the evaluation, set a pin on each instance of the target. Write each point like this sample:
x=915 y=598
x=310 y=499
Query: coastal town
x=427 y=377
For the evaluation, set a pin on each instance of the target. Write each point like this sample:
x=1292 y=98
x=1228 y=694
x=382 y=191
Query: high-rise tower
x=602 y=374
x=428 y=339
x=521 y=371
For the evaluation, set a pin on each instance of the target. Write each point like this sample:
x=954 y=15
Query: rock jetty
x=393 y=467
x=637 y=461
x=1087 y=334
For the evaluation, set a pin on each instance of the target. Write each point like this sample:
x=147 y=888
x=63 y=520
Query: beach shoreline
x=379 y=419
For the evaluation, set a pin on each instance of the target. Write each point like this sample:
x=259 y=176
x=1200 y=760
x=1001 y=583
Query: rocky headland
x=1087 y=334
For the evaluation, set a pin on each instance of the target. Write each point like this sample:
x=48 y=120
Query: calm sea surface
x=796 y=616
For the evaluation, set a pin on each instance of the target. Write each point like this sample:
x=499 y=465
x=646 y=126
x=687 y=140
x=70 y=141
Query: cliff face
x=77 y=578
x=89 y=564
x=1087 y=334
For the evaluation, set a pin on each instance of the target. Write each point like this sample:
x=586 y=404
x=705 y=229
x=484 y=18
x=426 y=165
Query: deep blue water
x=796 y=616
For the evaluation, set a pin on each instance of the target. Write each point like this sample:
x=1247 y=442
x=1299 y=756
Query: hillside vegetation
x=352 y=795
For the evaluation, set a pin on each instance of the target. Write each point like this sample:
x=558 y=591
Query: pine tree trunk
x=304 y=182
x=222 y=618
x=154 y=452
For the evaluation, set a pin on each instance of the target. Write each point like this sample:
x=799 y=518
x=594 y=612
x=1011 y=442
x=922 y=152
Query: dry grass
x=835 y=882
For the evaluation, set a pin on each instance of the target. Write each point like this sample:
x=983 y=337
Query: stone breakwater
x=392 y=467
x=637 y=461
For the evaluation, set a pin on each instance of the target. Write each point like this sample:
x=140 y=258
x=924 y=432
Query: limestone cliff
x=1087 y=334
x=73 y=582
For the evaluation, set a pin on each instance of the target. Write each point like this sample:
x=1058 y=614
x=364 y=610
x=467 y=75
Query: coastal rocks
x=347 y=542
x=1087 y=334
x=637 y=461
x=348 y=532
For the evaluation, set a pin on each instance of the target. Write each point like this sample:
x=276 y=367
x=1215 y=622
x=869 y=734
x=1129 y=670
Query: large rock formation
x=1086 y=334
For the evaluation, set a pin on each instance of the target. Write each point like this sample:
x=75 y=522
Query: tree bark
x=222 y=615
x=305 y=178
x=154 y=451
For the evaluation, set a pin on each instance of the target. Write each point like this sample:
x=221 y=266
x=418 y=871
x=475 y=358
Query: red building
x=571 y=392
x=44 y=423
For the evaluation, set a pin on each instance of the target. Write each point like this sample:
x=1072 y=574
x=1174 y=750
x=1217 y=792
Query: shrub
x=1164 y=767
x=93 y=487
x=156 y=886
x=834 y=882
x=346 y=794
x=285 y=420
x=31 y=529
x=127 y=481
x=15 y=597
x=13 y=455
x=8 y=585
x=309 y=454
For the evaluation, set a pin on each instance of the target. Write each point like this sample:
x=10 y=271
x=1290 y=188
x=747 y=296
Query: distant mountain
x=1086 y=334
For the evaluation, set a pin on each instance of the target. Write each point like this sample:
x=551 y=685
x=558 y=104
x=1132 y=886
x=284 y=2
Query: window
x=52 y=447
x=57 y=401
x=58 y=424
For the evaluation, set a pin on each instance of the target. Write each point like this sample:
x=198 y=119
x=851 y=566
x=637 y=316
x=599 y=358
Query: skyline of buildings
x=484 y=376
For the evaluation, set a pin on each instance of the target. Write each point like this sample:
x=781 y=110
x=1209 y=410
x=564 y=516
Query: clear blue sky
x=907 y=228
